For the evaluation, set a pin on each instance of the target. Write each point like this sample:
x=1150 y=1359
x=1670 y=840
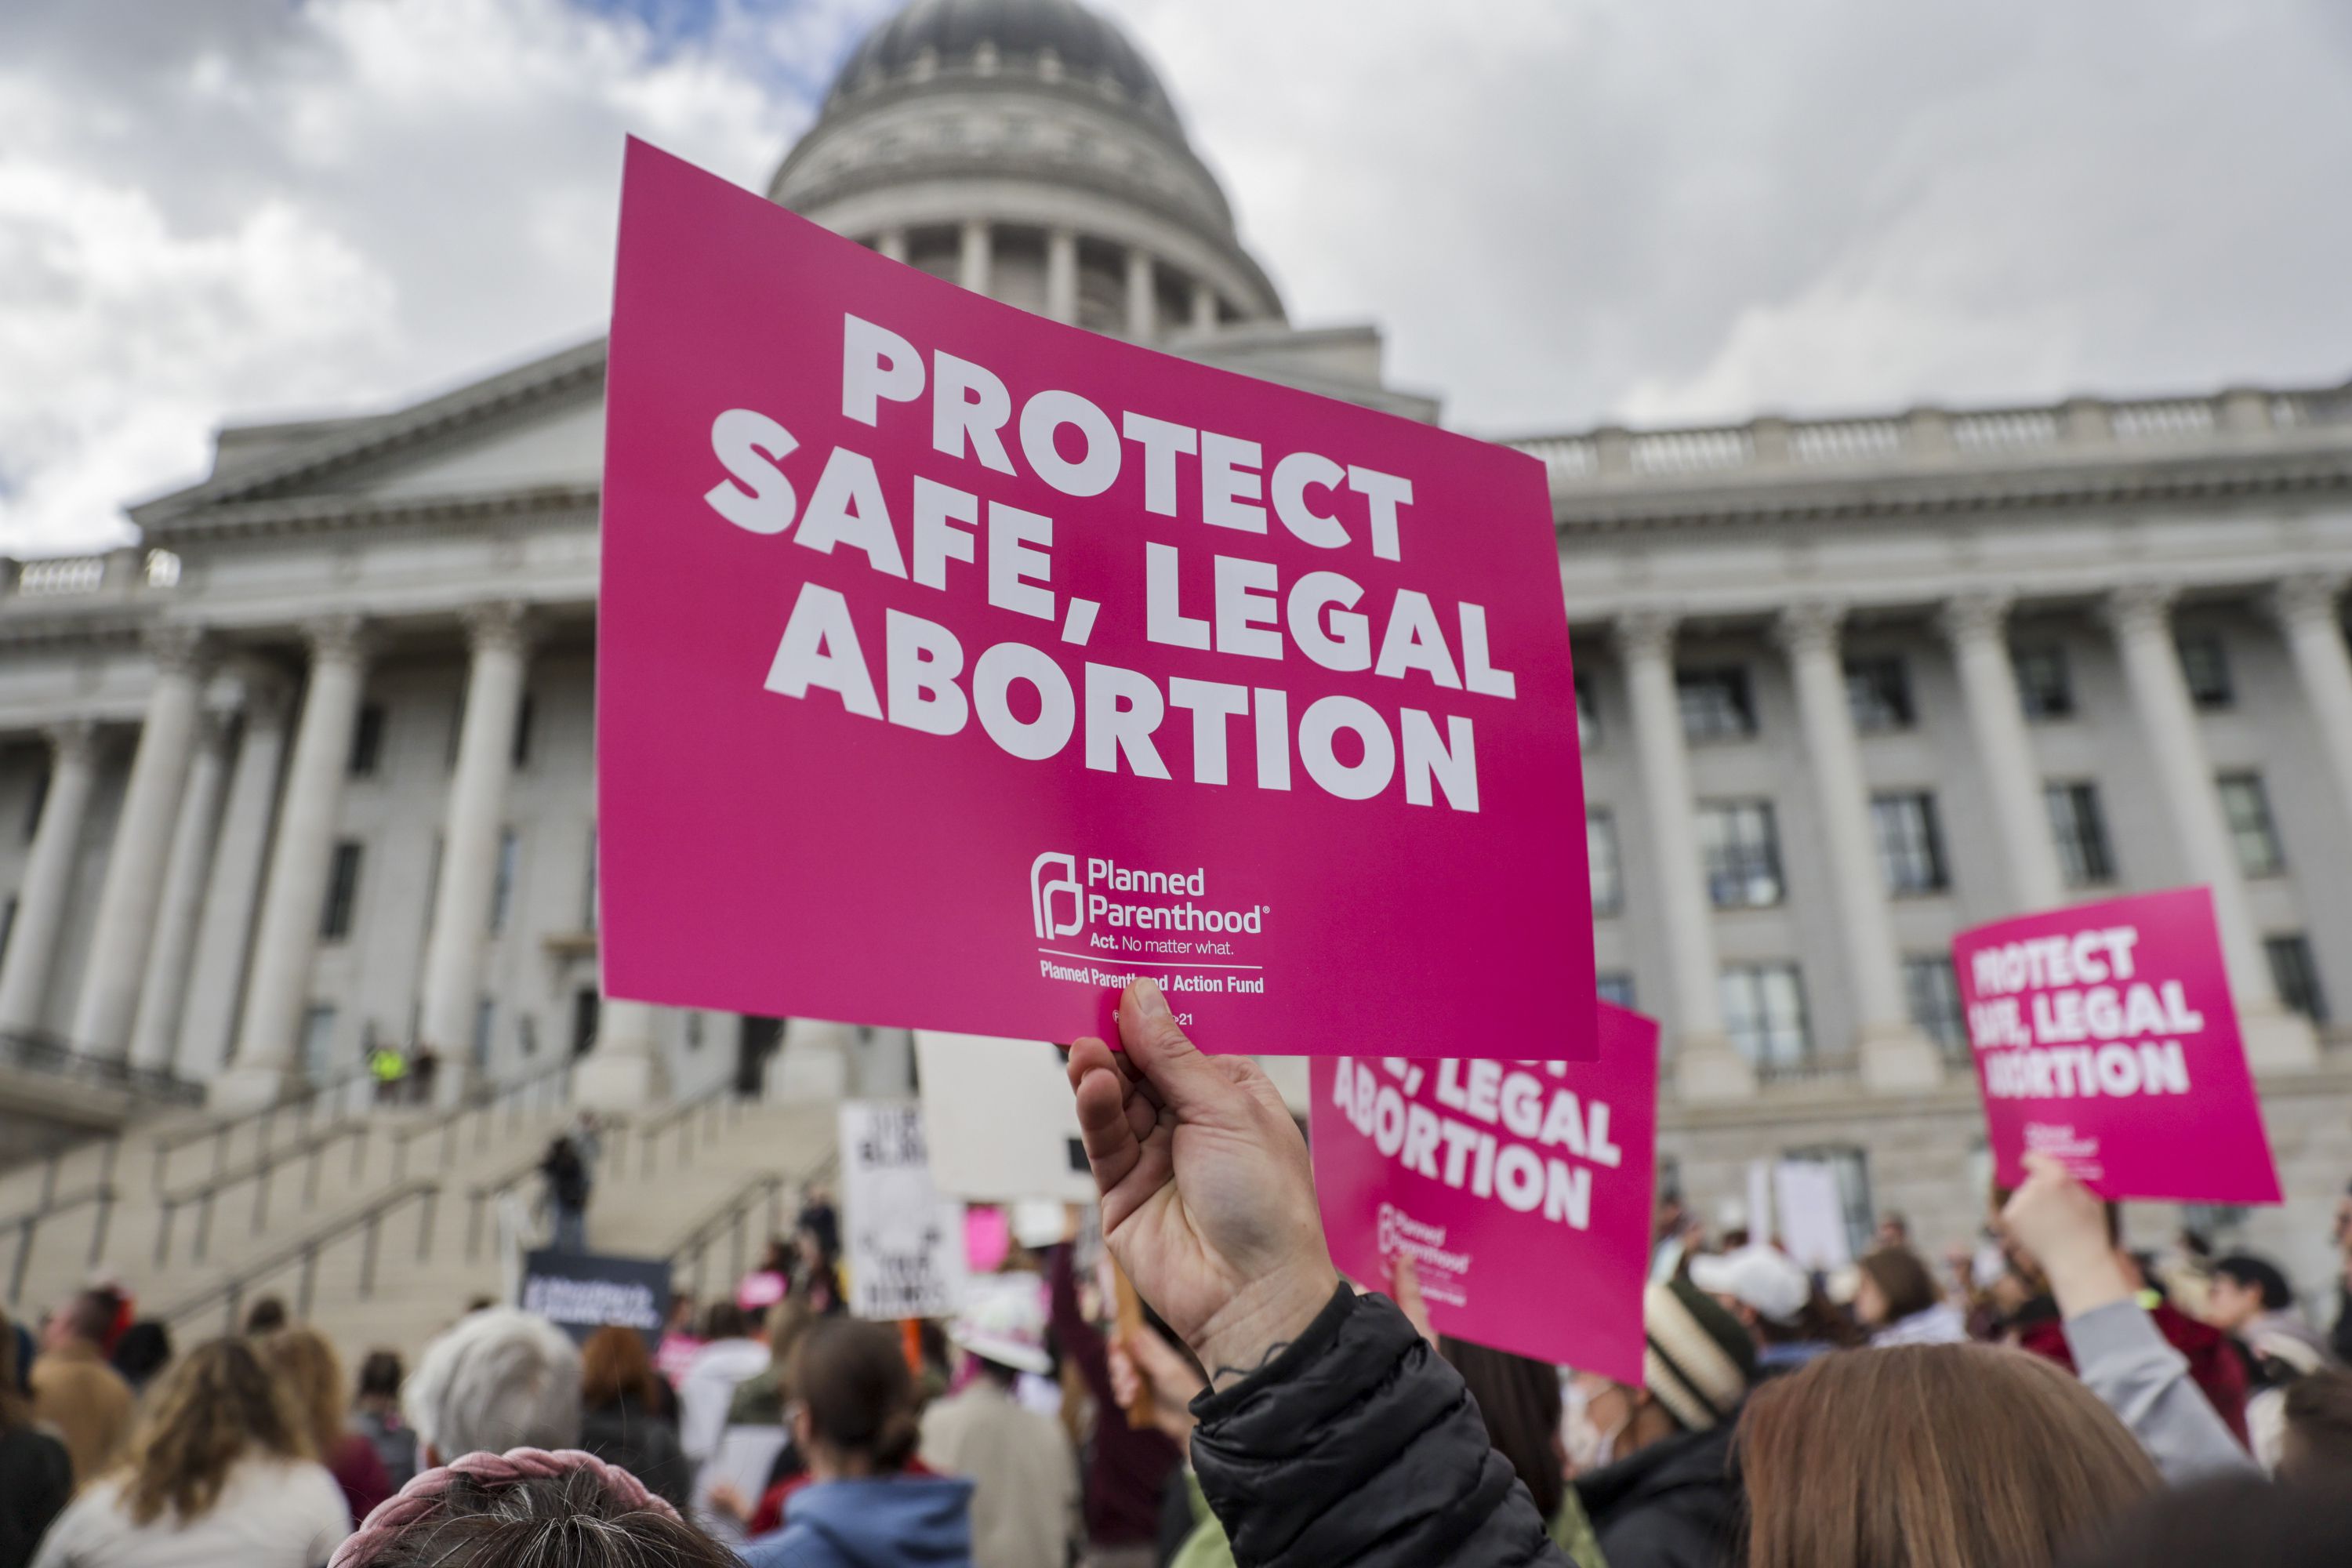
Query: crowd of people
x=2061 y=1401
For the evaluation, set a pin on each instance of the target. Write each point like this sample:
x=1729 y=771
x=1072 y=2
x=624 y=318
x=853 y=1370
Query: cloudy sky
x=1561 y=210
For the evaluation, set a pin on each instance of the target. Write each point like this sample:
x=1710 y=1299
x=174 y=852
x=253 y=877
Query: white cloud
x=1560 y=210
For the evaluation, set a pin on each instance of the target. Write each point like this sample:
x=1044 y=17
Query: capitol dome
x=1026 y=148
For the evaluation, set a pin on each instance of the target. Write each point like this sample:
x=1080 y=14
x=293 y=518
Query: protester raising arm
x=1331 y=1432
x=2118 y=1354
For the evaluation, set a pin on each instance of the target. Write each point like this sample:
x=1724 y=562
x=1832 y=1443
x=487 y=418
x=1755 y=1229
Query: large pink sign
x=956 y=666
x=2105 y=1035
x=1522 y=1190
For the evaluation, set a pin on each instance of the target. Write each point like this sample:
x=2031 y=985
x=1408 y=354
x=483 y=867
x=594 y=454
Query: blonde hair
x=306 y=1366
x=203 y=1416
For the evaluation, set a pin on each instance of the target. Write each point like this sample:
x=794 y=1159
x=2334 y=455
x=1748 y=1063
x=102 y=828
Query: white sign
x=1812 y=1214
x=1004 y=1125
x=902 y=1243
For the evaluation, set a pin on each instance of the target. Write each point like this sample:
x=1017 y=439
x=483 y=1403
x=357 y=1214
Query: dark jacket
x=1359 y=1445
x=642 y=1443
x=1127 y=1466
x=1670 y=1505
x=36 y=1484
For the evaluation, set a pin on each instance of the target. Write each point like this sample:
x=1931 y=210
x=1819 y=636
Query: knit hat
x=427 y=1499
x=1699 y=1361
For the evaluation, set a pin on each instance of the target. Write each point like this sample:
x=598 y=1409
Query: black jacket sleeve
x=1357 y=1444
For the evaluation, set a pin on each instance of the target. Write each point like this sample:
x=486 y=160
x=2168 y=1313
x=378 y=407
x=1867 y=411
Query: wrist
x=1262 y=1320
x=2087 y=1286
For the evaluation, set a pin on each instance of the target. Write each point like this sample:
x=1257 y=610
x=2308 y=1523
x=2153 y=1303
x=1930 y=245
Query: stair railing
x=304 y=1252
x=261 y=1171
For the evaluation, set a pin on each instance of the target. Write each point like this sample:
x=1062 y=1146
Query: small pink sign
x=987 y=1237
x=1522 y=1190
x=2105 y=1035
x=956 y=666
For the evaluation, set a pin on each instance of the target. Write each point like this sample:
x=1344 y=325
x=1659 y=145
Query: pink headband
x=421 y=1498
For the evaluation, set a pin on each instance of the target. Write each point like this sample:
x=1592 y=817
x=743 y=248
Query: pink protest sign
x=956 y=666
x=1521 y=1190
x=2105 y=1035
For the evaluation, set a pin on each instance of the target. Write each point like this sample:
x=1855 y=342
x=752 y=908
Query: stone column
x=1892 y=1053
x=1204 y=307
x=155 y=1029
x=623 y=1069
x=279 y=993
x=469 y=842
x=48 y=877
x=891 y=244
x=973 y=267
x=1706 y=1066
x=2306 y=611
x=1061 y=275
x=128 y=899
x=224 y=933
x=1142 y=296
x=2141 y=617
x=1975 y=625
x=812 y=1062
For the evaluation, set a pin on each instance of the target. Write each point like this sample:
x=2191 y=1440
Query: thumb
x=1186 y=1080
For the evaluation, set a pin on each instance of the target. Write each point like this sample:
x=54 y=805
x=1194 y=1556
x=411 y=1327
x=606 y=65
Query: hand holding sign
x=2064 y=1225
x=1208 y=1200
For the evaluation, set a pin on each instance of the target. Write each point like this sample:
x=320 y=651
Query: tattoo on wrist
x=1225 y=1376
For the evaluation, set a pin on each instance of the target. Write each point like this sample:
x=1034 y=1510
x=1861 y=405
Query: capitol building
x=312 y=769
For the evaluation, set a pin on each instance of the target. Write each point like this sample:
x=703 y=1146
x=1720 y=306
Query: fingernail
x=1147 y=1000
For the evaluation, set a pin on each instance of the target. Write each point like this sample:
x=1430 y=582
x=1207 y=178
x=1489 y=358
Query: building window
x=1741 y=853
x=1933 y=993
x=2296 y=977
x=486 y=1018
x=2081 y=830
x=1715 y=704
x=1615 y=986
x=367 y=742
x=1764 y=1014
x=342 y=892
x=2248 y=808
x=524 y=715
x=1600 y=856
x=588 y=900
x=2045 y=689
x=1878 y=694
x=8 y=924
x=319 y=1042
x=502 y=887
x=1588 y=716
x=1851 y=1166
x=2206 y=670
x=1910 y=845
x=693 y=1031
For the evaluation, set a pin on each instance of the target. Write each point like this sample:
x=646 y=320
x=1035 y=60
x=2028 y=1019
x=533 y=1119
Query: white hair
x=500 y=1379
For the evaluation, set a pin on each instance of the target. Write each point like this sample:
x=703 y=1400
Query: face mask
x=1590 y=1446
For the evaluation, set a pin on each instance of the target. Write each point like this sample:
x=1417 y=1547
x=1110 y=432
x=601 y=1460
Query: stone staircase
x=395 y=1216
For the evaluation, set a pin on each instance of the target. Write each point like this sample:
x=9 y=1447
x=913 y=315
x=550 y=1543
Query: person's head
x=1520 y=1398
x=85 y=1321
x=2317 y=1445
x=787 y=1321
x=267 y=1315
x=1893 y=1284
x=2243 y=1288
x=1930 y=1456
x=497 y=1379
x=725 y=1320
x=1762 y=1286
x=616 y=1370
x=380 y=1378
x=2237 y=1518
x=302 y=1360
x=817 y=1234
x=1697 y=1367
x=217 y=1404
x=549 y=1511
x=1894 y=1229
x=681 y=1312
x=854 y=1410
x=16 y=1409
x=1002 y=1326
x=142 y=1352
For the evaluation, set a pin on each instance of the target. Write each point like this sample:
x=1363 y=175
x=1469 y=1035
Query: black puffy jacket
x=1359 y=1446
x=1670 y=1505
